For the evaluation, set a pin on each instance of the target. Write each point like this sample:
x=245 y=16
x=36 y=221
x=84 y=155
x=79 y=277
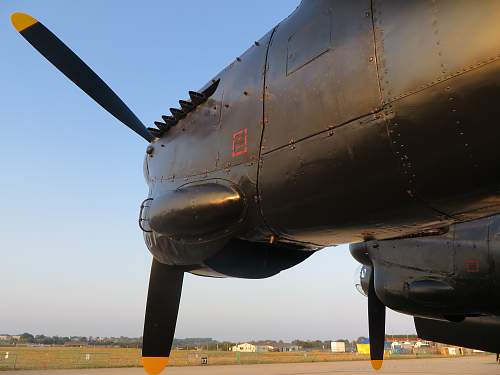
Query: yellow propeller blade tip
x=377 y=364
x=154 y=365
x=22 y=21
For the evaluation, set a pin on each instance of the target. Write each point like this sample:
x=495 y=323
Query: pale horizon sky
x=72 y=259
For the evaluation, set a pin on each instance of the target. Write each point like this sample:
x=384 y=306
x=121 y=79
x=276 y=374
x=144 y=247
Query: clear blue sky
x=72 y=260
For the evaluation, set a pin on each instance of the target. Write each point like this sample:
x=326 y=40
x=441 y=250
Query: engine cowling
x=448 y=274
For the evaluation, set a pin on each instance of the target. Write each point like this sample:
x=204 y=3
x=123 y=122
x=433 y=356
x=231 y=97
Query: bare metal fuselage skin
x=349 y=121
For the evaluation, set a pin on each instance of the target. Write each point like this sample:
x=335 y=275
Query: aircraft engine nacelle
x=196 y=226
x=188 y=224
x=446 y=274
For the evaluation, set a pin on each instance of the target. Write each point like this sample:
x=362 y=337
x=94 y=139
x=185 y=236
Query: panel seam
x=263 y=126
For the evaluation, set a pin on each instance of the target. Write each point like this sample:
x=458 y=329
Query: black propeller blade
x=376 y=325
x=164 y=294
x=54 y=50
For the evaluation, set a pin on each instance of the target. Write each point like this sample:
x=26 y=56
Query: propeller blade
x=164 y=294
x=59 y=55
x=376 y=325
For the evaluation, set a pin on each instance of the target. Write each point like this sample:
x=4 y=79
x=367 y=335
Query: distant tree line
x=181 y=344
x=28 y=338
x=124 y=342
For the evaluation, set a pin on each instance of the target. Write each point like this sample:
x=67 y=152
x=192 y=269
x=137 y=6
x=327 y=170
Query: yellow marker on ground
x=22 y=21
x=154 y=365
x=377 y=364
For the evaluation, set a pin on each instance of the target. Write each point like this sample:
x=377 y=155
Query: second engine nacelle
x=448 y=275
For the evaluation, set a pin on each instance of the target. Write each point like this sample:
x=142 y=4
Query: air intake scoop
x=196 y=211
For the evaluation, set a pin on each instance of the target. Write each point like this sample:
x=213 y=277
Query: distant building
x=264 y=348
x=244 y=348
x=338 y=347
x=5 y=337
x=285 y=348
x=422 y=344
x=450 y=350
x=363 y=348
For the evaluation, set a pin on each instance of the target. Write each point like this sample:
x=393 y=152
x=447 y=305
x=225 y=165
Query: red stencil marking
x=472 y=266
x=240 y=142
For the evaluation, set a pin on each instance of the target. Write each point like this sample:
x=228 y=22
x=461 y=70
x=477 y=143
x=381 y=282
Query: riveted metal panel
x=300 y=50
x=324 y=156
x=422 y=42
x=404 y=33
x=468 y=33
x=337 y=83
x=449 y=150
x=223 y=132
x=440 y=75
x=191 y=147
x=240 y=129
x=340 y=186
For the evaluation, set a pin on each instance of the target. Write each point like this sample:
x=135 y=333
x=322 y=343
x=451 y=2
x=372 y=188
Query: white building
x=264 y=348
x=338 y=347
x=421 y=343
x=289 y=348
x=244 y=348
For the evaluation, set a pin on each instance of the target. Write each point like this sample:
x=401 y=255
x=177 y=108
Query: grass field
x=35 y=358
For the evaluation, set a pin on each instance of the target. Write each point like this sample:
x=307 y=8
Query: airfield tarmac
x=479 y=365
